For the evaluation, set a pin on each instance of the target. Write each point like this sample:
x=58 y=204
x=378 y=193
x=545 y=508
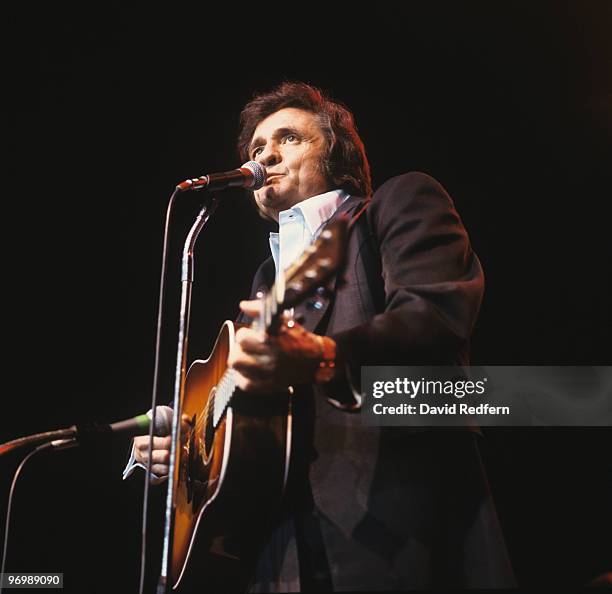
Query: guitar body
x=232 y=466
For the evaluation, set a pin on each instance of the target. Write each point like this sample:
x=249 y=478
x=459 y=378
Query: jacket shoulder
x=413 y=183
x=414 y=195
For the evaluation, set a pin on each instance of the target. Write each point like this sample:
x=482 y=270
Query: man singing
x=369 y=508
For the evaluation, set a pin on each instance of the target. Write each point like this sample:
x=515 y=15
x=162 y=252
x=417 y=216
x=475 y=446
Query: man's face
x=290 y=144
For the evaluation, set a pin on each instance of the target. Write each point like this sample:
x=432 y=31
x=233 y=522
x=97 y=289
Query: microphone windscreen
x=259 y=174
x=163 y=421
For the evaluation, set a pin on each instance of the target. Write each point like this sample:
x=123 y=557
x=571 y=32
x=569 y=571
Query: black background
x=509 y=107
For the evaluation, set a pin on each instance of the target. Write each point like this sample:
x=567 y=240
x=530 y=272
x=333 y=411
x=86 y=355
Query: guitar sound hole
x=208 y=436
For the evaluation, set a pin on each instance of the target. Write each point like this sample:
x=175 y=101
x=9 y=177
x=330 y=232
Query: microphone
x=88 y=433
x=251 y=175
x=140 y=425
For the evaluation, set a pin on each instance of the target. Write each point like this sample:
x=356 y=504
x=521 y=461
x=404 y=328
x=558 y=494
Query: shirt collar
x=319 y=209
x=315 y=211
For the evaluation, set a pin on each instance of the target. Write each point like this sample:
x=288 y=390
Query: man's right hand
x=161 y=449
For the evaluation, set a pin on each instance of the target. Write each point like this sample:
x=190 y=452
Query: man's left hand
x=265 y=363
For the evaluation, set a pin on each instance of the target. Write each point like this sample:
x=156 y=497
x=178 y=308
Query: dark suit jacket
x=392 y=508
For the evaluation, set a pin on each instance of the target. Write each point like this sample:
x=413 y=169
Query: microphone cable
x=160 y=308
x=40 y=448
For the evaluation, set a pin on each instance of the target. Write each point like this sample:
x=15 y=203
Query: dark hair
x=345 y=163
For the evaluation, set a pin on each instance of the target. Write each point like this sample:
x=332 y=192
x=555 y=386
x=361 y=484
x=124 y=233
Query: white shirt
x=298 y=227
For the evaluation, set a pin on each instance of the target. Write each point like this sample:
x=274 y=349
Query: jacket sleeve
x=433 y=281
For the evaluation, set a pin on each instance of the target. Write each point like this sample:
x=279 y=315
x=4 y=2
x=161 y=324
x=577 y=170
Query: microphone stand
x=179 y=379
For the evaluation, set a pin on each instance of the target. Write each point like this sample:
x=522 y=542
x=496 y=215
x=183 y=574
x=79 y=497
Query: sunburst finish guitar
x=235 y=457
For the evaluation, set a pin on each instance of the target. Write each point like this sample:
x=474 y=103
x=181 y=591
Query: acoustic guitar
x=233 y=462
